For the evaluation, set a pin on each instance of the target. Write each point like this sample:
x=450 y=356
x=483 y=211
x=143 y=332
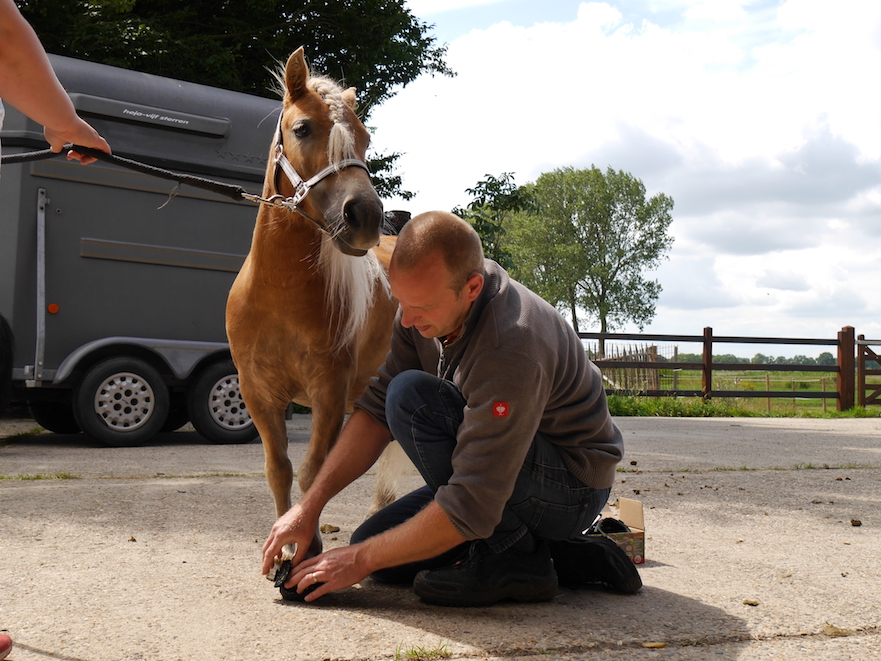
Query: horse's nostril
x=351 y=214
x=360 y=214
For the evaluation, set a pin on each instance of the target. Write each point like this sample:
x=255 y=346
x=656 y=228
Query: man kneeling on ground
x=490 y=393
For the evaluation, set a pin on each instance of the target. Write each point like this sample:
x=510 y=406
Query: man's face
x=427 y=302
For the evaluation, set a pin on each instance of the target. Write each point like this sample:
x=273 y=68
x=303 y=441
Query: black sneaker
x=481 y=577
x=595 y=560
x=607 y=526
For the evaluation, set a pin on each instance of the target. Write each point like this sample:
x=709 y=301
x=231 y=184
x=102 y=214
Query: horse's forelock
x=341 y=142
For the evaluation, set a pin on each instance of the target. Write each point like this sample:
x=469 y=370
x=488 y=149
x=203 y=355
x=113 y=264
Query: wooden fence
x=855 y=361
x=623 y=378
x=868 y=364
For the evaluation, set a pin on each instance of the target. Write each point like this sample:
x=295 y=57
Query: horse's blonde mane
x=351 y=281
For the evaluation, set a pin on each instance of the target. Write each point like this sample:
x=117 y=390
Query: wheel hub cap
x=125 y=401
x=226 y=405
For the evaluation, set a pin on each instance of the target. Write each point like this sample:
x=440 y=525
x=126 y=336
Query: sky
x=760 y=118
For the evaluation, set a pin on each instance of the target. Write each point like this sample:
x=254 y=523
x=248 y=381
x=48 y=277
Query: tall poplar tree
x=587 y=242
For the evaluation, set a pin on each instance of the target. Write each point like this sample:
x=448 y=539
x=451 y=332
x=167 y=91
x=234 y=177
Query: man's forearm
x=426 y=535
x=360 y=443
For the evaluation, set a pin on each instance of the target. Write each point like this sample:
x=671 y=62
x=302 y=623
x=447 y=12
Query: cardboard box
x=630 y=514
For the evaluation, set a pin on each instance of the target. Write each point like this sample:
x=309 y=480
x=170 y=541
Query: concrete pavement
x=752 y=549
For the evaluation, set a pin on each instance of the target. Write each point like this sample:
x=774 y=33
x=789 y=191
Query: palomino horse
x=309 y=316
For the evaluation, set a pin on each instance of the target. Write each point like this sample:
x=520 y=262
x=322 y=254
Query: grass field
x=795 y=383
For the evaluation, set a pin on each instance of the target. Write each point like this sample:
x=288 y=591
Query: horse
x=309 y=315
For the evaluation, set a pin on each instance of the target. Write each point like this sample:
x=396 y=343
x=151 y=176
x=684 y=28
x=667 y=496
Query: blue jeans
x=424 y=413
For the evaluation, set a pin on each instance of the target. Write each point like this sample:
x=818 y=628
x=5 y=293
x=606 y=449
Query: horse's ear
x=349 y=98
x=296 y=73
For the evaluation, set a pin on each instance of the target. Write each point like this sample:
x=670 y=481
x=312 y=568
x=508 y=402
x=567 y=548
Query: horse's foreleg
x=327 y=421
x=270 y=422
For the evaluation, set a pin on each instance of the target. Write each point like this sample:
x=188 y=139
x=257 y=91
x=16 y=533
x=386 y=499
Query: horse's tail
x=392 y=464
x=6 y=356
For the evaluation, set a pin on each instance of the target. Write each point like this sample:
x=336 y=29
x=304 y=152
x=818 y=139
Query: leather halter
x=301 y=186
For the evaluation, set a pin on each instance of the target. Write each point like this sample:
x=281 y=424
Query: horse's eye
x=301 y=130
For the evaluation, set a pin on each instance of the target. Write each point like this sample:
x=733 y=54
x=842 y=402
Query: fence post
x=861 y=371
x=846 y=368
x=676 y=371
x=707 y=381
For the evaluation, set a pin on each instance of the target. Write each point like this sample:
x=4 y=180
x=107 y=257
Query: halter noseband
x=301 y=186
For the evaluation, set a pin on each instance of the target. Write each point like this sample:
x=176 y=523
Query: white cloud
x=716 y=10
x=429 y=7
x=786 y=280
x=759 y=119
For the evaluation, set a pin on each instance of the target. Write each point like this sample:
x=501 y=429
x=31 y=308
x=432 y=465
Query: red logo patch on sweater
x=500 y=409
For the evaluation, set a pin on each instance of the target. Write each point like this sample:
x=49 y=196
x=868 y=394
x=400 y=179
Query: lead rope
x=228 y=190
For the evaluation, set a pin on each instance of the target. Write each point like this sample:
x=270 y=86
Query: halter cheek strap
x=302 y=188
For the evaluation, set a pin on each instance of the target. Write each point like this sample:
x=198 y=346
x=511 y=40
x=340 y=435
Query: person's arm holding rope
x=28 y=82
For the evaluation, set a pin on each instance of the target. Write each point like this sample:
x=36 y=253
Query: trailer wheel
x=178 y=415
x=7 y=342
x=216 y=407
x=122 y=402
x=56 y=417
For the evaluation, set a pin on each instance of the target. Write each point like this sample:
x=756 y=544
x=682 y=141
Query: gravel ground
x=153 y=553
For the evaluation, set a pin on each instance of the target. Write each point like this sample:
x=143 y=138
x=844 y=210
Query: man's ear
x=473 y=286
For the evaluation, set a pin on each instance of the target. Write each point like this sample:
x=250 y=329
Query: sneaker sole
x=623 y=576
x=442 y=594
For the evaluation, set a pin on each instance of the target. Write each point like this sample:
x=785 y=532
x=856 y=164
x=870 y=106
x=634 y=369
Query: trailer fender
x=181 y=356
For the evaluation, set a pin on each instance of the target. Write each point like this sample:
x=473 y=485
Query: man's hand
x=296 y=526
x=334 y=570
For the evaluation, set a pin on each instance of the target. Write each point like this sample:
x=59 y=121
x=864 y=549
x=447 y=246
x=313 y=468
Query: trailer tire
x=56 y=417
x=7 y=347
x=216 y=407
x=178 y=415
x=122 y=402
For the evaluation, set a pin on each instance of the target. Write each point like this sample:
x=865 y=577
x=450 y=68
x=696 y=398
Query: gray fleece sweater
x=522 y=369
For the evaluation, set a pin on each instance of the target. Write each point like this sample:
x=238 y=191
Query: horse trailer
x=114 y=283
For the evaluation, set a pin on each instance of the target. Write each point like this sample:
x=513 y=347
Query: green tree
x=728 y=358
x=587 y=241
x=495 y=202
x=826 y=358
x=377 y=46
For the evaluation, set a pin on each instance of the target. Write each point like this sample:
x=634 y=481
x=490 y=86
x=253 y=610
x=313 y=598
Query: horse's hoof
x=282 y=573
x=281 y=567
x=316 y=546
x=293 y=595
